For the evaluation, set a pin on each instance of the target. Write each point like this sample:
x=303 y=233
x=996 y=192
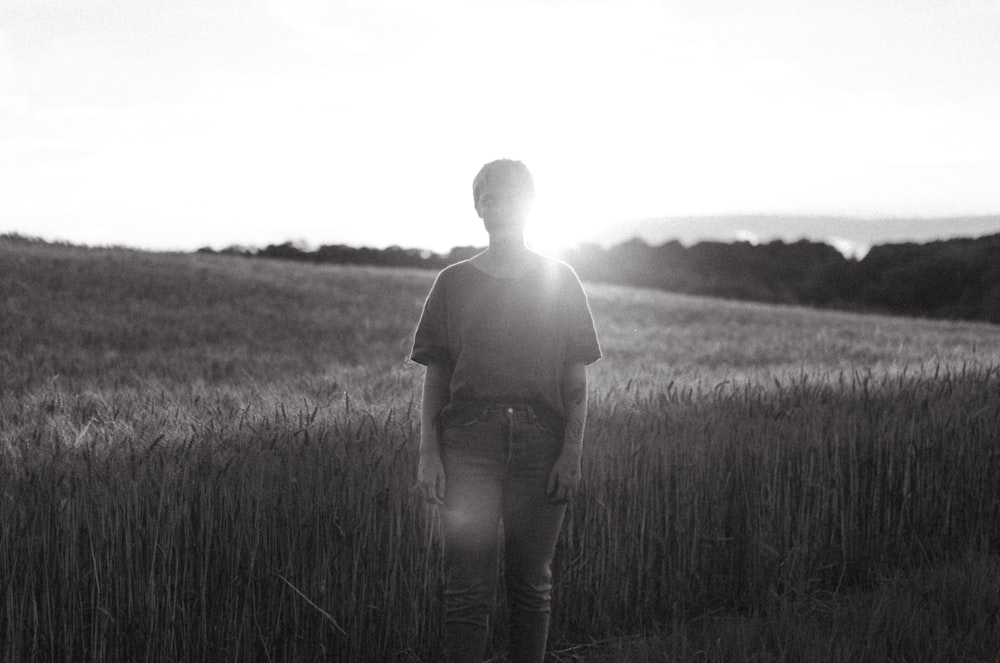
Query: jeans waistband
x=548 y=420
x=507 y=407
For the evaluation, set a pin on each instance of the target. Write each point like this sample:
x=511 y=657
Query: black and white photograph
x=500 y=331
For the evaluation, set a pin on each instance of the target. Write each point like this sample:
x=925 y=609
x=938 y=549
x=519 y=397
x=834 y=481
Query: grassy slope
x=106 y=349
x=92 y=327
x=111 y=316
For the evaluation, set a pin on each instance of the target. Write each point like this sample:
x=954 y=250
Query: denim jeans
x=497 y=462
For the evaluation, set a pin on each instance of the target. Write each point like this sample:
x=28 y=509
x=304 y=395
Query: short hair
x=513 y=171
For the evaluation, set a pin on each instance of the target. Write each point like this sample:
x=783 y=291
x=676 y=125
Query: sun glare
x=551 y=230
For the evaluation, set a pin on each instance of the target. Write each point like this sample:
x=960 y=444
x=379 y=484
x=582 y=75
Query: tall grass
x=944 y=613
x=157 y=506
x=295 y=535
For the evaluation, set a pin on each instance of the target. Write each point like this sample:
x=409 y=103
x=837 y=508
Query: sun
x=555 y=226
x=549 y=234
x=559 y=223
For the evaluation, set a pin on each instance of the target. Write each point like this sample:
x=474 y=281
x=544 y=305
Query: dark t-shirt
x=506 y=340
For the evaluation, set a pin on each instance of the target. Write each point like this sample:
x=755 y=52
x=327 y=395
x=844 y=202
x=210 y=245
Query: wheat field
x=207 y=458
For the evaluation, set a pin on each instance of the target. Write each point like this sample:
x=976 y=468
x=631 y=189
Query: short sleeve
x=430 y=342
x=581 y=336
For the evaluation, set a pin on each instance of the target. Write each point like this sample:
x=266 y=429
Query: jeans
x=497 y=462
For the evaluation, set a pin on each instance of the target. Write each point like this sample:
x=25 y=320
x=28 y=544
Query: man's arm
x=565 y=477
x=435 y=395
x=574 y=389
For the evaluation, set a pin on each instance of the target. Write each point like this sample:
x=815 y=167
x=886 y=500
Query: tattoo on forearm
x=574 y=430
x=574 y=403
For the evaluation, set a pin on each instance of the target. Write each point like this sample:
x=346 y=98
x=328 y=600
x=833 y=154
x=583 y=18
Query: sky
x=177 y=124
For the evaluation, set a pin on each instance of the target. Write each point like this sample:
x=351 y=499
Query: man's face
x=503 y=207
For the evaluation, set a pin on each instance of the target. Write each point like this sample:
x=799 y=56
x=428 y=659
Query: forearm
x=574 y=390
x=435 y=395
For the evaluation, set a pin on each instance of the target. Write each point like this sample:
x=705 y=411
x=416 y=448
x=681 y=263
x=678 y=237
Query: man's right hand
x=430 y=477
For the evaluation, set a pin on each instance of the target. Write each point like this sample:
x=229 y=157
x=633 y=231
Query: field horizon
x=955 y=279
x=210 y=458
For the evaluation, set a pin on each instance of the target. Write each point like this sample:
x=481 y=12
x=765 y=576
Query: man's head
x=503 y=193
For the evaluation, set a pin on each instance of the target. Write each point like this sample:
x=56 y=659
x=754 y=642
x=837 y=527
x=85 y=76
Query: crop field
x=211 y=458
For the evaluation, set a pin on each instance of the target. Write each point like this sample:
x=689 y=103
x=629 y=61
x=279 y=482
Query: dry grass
x=209 y=458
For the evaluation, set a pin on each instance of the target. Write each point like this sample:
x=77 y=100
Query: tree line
x=954 y=279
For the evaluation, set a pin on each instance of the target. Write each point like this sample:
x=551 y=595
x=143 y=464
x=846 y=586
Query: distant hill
x=949 y=279
x=78 y=319
x=954 y=279
x=851 y=236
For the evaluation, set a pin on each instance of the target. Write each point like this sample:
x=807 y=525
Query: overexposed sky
x=185 y=123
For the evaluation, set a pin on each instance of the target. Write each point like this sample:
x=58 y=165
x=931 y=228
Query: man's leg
x=470 y=518
x=531 y=529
